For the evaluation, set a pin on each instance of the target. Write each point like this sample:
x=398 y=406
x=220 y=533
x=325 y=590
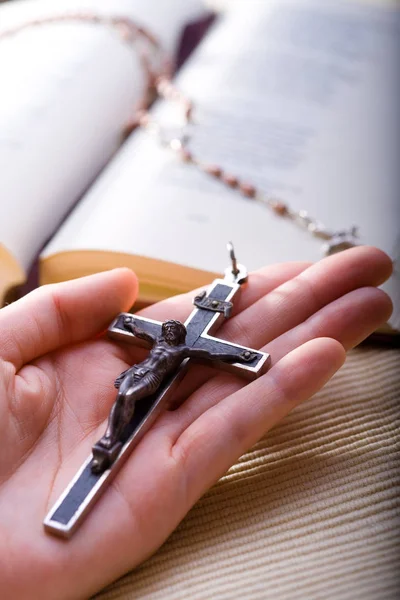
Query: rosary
x=158 y=69
x=146 y=389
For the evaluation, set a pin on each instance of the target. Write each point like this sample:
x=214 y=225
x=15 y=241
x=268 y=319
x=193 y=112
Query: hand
x=56 y=380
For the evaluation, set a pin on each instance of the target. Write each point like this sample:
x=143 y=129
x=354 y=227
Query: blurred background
x=297 y=100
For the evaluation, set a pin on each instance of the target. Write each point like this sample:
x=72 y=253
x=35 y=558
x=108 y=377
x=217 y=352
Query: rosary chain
x=160 y=84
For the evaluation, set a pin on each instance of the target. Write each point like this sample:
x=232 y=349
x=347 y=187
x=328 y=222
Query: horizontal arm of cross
x=251 y=369
x=201 y=353
x=150 y=327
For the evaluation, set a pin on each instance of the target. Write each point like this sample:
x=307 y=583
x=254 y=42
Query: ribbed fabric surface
x=311 y=512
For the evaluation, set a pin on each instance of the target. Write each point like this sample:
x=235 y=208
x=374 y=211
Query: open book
x=67 y=90
x=300 y=98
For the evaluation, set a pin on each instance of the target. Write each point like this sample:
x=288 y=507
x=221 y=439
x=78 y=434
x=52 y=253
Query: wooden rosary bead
x=147 y=34
x=186 y=155
x=213 y=170
x=230 y=180
x=125 y=32
x=140 y=118
x=129 y=127
x=248 y=190
x=163 y=86
x=279 y=207
x=188 y=111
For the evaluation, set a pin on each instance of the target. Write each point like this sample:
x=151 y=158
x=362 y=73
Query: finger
x=261 y=282
x=59 y=314
x=296 y=300
x=348 y=320
x=216 y=440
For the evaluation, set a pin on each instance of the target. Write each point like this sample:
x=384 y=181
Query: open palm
x=56 y=389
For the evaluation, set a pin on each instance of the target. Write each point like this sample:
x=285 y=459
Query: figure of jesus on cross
x=144 y=379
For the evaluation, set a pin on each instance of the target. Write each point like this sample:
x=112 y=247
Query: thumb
x=63 y=313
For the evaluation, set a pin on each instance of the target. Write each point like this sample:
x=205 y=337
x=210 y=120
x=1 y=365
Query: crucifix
x=146 y=389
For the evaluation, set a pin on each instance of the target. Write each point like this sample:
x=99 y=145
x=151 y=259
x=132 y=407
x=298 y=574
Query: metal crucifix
x=145 y=389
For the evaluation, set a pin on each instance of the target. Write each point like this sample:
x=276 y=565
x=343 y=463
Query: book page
x=300 y=98
x=67 y=90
